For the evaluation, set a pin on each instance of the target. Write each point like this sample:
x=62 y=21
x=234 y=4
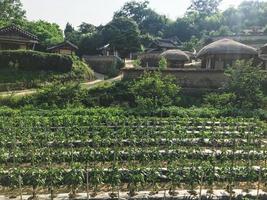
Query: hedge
x=108 y=65
x=33 y=60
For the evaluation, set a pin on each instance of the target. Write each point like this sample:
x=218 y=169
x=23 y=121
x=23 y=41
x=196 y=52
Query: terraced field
x=96 y=152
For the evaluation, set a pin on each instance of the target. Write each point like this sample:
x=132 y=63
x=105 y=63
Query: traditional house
x=161 y=45
x=66 y=48
x=175 y=58
x=150 y=59
x=106 y=50
x=224 y=52
x=13 y=38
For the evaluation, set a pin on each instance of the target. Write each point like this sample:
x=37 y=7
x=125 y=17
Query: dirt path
x=100 y=78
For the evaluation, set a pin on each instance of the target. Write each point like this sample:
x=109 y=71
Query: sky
x=99 y=11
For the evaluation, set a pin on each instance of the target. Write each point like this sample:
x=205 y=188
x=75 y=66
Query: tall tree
x=68 y=29
x=86 y=28
x=11 y=10
x=122 y=34
x=205 y=7
x=47 y=33
x=134 y=10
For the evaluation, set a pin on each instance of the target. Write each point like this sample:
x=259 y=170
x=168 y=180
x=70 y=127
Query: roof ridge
x=18 y=29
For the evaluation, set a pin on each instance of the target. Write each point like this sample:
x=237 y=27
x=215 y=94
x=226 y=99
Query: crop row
x=65 y=142
x=85 y=155
x=76 y=176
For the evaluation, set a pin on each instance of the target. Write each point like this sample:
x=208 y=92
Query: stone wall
x=186 y=78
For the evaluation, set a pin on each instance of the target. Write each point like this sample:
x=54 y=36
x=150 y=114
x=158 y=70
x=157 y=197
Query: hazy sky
x=99 y=11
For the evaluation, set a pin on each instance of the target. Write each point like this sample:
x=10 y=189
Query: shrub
x=246 y=83
x=220 y=101
x=56 y=95
x=33 y=60
x=163 y=63
x=153 y=91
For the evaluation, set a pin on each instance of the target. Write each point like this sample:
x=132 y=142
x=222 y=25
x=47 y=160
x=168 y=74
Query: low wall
x=186 y=78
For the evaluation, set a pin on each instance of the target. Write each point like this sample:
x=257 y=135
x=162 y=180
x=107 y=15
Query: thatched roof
x=63 y=44
x=8 y=30
x=154 y=55
x=226 y=46
x=175 y=55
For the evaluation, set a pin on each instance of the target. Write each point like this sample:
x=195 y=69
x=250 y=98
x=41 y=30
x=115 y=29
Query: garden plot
x=104 y=155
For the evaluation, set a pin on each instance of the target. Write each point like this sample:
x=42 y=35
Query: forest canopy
x=135 y=25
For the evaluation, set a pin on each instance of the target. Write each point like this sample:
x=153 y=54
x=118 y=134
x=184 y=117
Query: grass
x=15 y=79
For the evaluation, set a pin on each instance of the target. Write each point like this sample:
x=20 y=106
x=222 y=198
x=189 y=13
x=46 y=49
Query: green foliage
x=220 y=101
x=123 y=35
x=33 y=60
x=149 y=22
x=192 y=44
x=246 y=83
x=163 y=63
x=153 y=90
x=11 y=10
x=205 y=7
x=55 y=95
x=137 y=63
x=47 y=33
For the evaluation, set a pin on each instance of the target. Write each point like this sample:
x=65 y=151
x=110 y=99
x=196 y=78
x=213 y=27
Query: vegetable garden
x=114 y=153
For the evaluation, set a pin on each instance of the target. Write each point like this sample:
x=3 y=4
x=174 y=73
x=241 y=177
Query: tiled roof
x=15 y=29
x=62 y=44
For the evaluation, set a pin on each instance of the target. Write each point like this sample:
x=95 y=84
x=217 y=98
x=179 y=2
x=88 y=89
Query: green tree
x=205 y=7
x=123 y=35
x=68 y=29
x=153 y=90
x=182 y=28
x=86 y=28
x=90 y=43
x=246 y=82
x=47 y=33
x=11 y=10
x=134 y=10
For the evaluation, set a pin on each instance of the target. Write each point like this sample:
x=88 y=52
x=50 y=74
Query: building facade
x=13 y=38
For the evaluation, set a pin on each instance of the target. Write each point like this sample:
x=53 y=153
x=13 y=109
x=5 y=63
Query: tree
x=134 y=10
x=153 y=90
x=47 y=33
x=246 y=82
x=86 y=28
x=89 y=43
x=154 y=24
x=205 y=7
x=123 y=35
x=68 y=29
x=11 y=10
x=182 y=28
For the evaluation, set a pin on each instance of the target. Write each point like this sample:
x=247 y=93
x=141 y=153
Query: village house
x=223 y=53
x=13 y=38
x=106 y=50
x=175 y=58
x=161 y=45
x=65 y=48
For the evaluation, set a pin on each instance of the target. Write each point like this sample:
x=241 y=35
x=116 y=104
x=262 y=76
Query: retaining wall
x=186 y=78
